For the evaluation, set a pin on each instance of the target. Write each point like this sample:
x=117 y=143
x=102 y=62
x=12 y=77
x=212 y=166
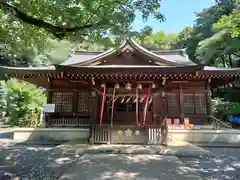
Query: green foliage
x=231 y=94
x=22 y=98
x=223 y=48
x=222 y=108
x=3 y=102
x=214 y=40
x=229 y=23
x=157 y=41
x=56 y=53
x=149 y=40
x=87 y=20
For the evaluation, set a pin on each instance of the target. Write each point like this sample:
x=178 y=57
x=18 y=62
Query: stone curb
x=110 y=151
x=218 y=145
x=28 y=142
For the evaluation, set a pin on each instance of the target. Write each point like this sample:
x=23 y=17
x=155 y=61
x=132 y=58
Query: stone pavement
x=174 y=148
x=131 y=162
x=129 y=167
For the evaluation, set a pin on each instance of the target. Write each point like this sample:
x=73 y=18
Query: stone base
x=51 y=134
x=227 y=136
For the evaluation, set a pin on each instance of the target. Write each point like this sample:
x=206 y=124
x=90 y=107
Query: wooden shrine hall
x=125 y=95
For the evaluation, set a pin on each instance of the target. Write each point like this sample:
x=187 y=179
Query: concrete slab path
x=129 y=167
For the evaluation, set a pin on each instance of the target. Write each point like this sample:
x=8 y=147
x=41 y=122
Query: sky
x=178 y=14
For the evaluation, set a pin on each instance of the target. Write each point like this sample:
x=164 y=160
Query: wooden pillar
x=93 y=114
x=164 y=126
x=49 y=92
x=49 y=101
x=157 y=116
x=74 y=101
x=95 y=107
x=181 y=103
x=209 y=100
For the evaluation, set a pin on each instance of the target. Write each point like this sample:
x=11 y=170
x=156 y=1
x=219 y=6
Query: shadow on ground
x=224 y=166
x=131 y=167
x=32 y=162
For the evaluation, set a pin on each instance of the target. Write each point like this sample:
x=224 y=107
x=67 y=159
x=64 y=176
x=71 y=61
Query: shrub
x=22 y=99
x=222 y=108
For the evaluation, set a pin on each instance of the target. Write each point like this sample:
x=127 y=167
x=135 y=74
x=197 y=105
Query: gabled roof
x=170 y=57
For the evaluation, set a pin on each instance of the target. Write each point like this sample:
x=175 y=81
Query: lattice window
x=84 y=101
x=62 y=101
x=57 y=100
x=172 y=103
x=188 y=103
x=200 y=103
x=67 y=102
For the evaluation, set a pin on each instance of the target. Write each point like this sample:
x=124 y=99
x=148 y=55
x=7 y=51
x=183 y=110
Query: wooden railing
x=100 y=134
x=69 y=122
x=217 y=123
x=154 y=133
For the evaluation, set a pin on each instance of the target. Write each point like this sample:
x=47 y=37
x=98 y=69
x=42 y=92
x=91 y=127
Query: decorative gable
x=131 y=53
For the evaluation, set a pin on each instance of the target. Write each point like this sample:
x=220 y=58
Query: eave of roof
x=212 y=68
x=128 y=69
x=119 y=68
x=44 y=69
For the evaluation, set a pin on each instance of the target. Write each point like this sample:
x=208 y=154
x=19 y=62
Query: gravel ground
x=21 y=162
x=225 y=166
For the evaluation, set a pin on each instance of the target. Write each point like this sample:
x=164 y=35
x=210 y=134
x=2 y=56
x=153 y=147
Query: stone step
x=4 y=126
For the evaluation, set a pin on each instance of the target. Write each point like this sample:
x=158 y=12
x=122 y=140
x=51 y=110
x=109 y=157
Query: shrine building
x=125 y=94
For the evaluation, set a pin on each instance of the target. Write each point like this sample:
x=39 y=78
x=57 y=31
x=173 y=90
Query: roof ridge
x=158 y=51
x=88 y=51
x=169 y=50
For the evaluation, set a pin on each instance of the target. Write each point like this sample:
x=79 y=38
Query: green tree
x=223 y=48
x=158 y=41
x=25 y=25
x=22 y=98
x=203 y=28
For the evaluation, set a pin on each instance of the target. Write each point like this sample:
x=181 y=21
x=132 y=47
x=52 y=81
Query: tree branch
x=57 y=31
x=236 y=54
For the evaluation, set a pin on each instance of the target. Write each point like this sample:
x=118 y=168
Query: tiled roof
x=176 y=57
x=81 y=56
